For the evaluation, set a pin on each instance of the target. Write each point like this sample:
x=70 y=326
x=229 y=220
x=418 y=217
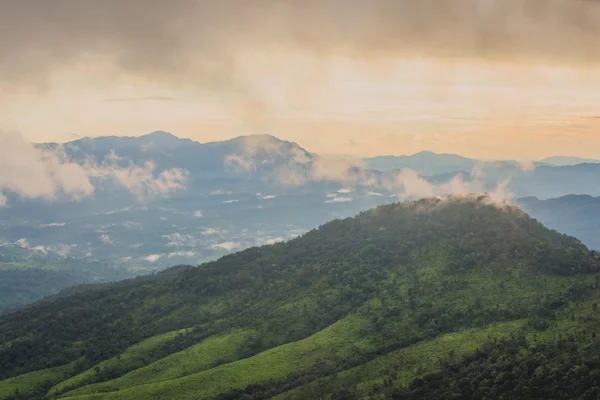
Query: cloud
x=339 y=200
x=213 y=231
x=140 y=180
x=181 y=254
x=279 y=160
x=205 y=41
x=230 y=201
x=47 y=173
x=266 y=196
x=238 y=163
x=272 y=240
x=34 y=173
x=527 y=165
x=153 y=258
x=179 y=240
x=264 y=151
x=229 y=246
x=406 y=184
x=23 y=242
x=198 y=214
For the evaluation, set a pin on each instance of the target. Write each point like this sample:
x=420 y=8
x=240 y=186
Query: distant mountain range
x=564 y=161
x=250 y=191
x=425 y=163
x=578 y=216
x=244 y=192
x=428 y=163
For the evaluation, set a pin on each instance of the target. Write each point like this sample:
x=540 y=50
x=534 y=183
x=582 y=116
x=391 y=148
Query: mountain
x=575 y=215
x=425 y=163
x=208 y=160
x=401 y=301
x=565 y=160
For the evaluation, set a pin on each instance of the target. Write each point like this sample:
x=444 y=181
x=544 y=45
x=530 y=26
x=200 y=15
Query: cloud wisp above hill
x=47 y=173
x=293 y=166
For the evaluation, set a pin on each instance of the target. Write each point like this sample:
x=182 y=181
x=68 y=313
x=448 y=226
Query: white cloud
x=62 y=249
x=374 y=194
x=40 y=249
x=179 y=240
x=153 y=258
x=212 y=231
x=345 y=191
x=181 y=254
x=527 y=165
x=273 y=240
x=23 y=243
x=229 y=246
x=237 y=163
x=230 y=201
x=48 y=173
x=339 y=200
x=198 y=214
x=331 y=195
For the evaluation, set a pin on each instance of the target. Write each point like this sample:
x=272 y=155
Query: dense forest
x=457 y=298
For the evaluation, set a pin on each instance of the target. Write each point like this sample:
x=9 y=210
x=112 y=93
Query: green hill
x=453 y=298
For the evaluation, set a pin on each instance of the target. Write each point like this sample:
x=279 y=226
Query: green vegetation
x=394 y=302
x=133 y=359
x=33 y=384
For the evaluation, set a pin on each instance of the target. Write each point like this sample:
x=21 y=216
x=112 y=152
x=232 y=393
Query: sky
x=483 y=78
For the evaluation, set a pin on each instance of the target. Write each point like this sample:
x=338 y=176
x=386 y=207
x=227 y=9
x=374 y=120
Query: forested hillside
x=457 y=298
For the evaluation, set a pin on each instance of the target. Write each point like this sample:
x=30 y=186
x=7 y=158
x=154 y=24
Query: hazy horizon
x=333 y=155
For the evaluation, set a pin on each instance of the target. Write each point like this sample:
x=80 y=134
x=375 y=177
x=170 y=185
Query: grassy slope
x=29 y=383
x=577 y=320
x=205 y=355
x=274 y=364
x=135 y=357
x=410 y=362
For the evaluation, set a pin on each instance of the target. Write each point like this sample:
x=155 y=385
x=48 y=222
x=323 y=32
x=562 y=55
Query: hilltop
x=360 y=306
